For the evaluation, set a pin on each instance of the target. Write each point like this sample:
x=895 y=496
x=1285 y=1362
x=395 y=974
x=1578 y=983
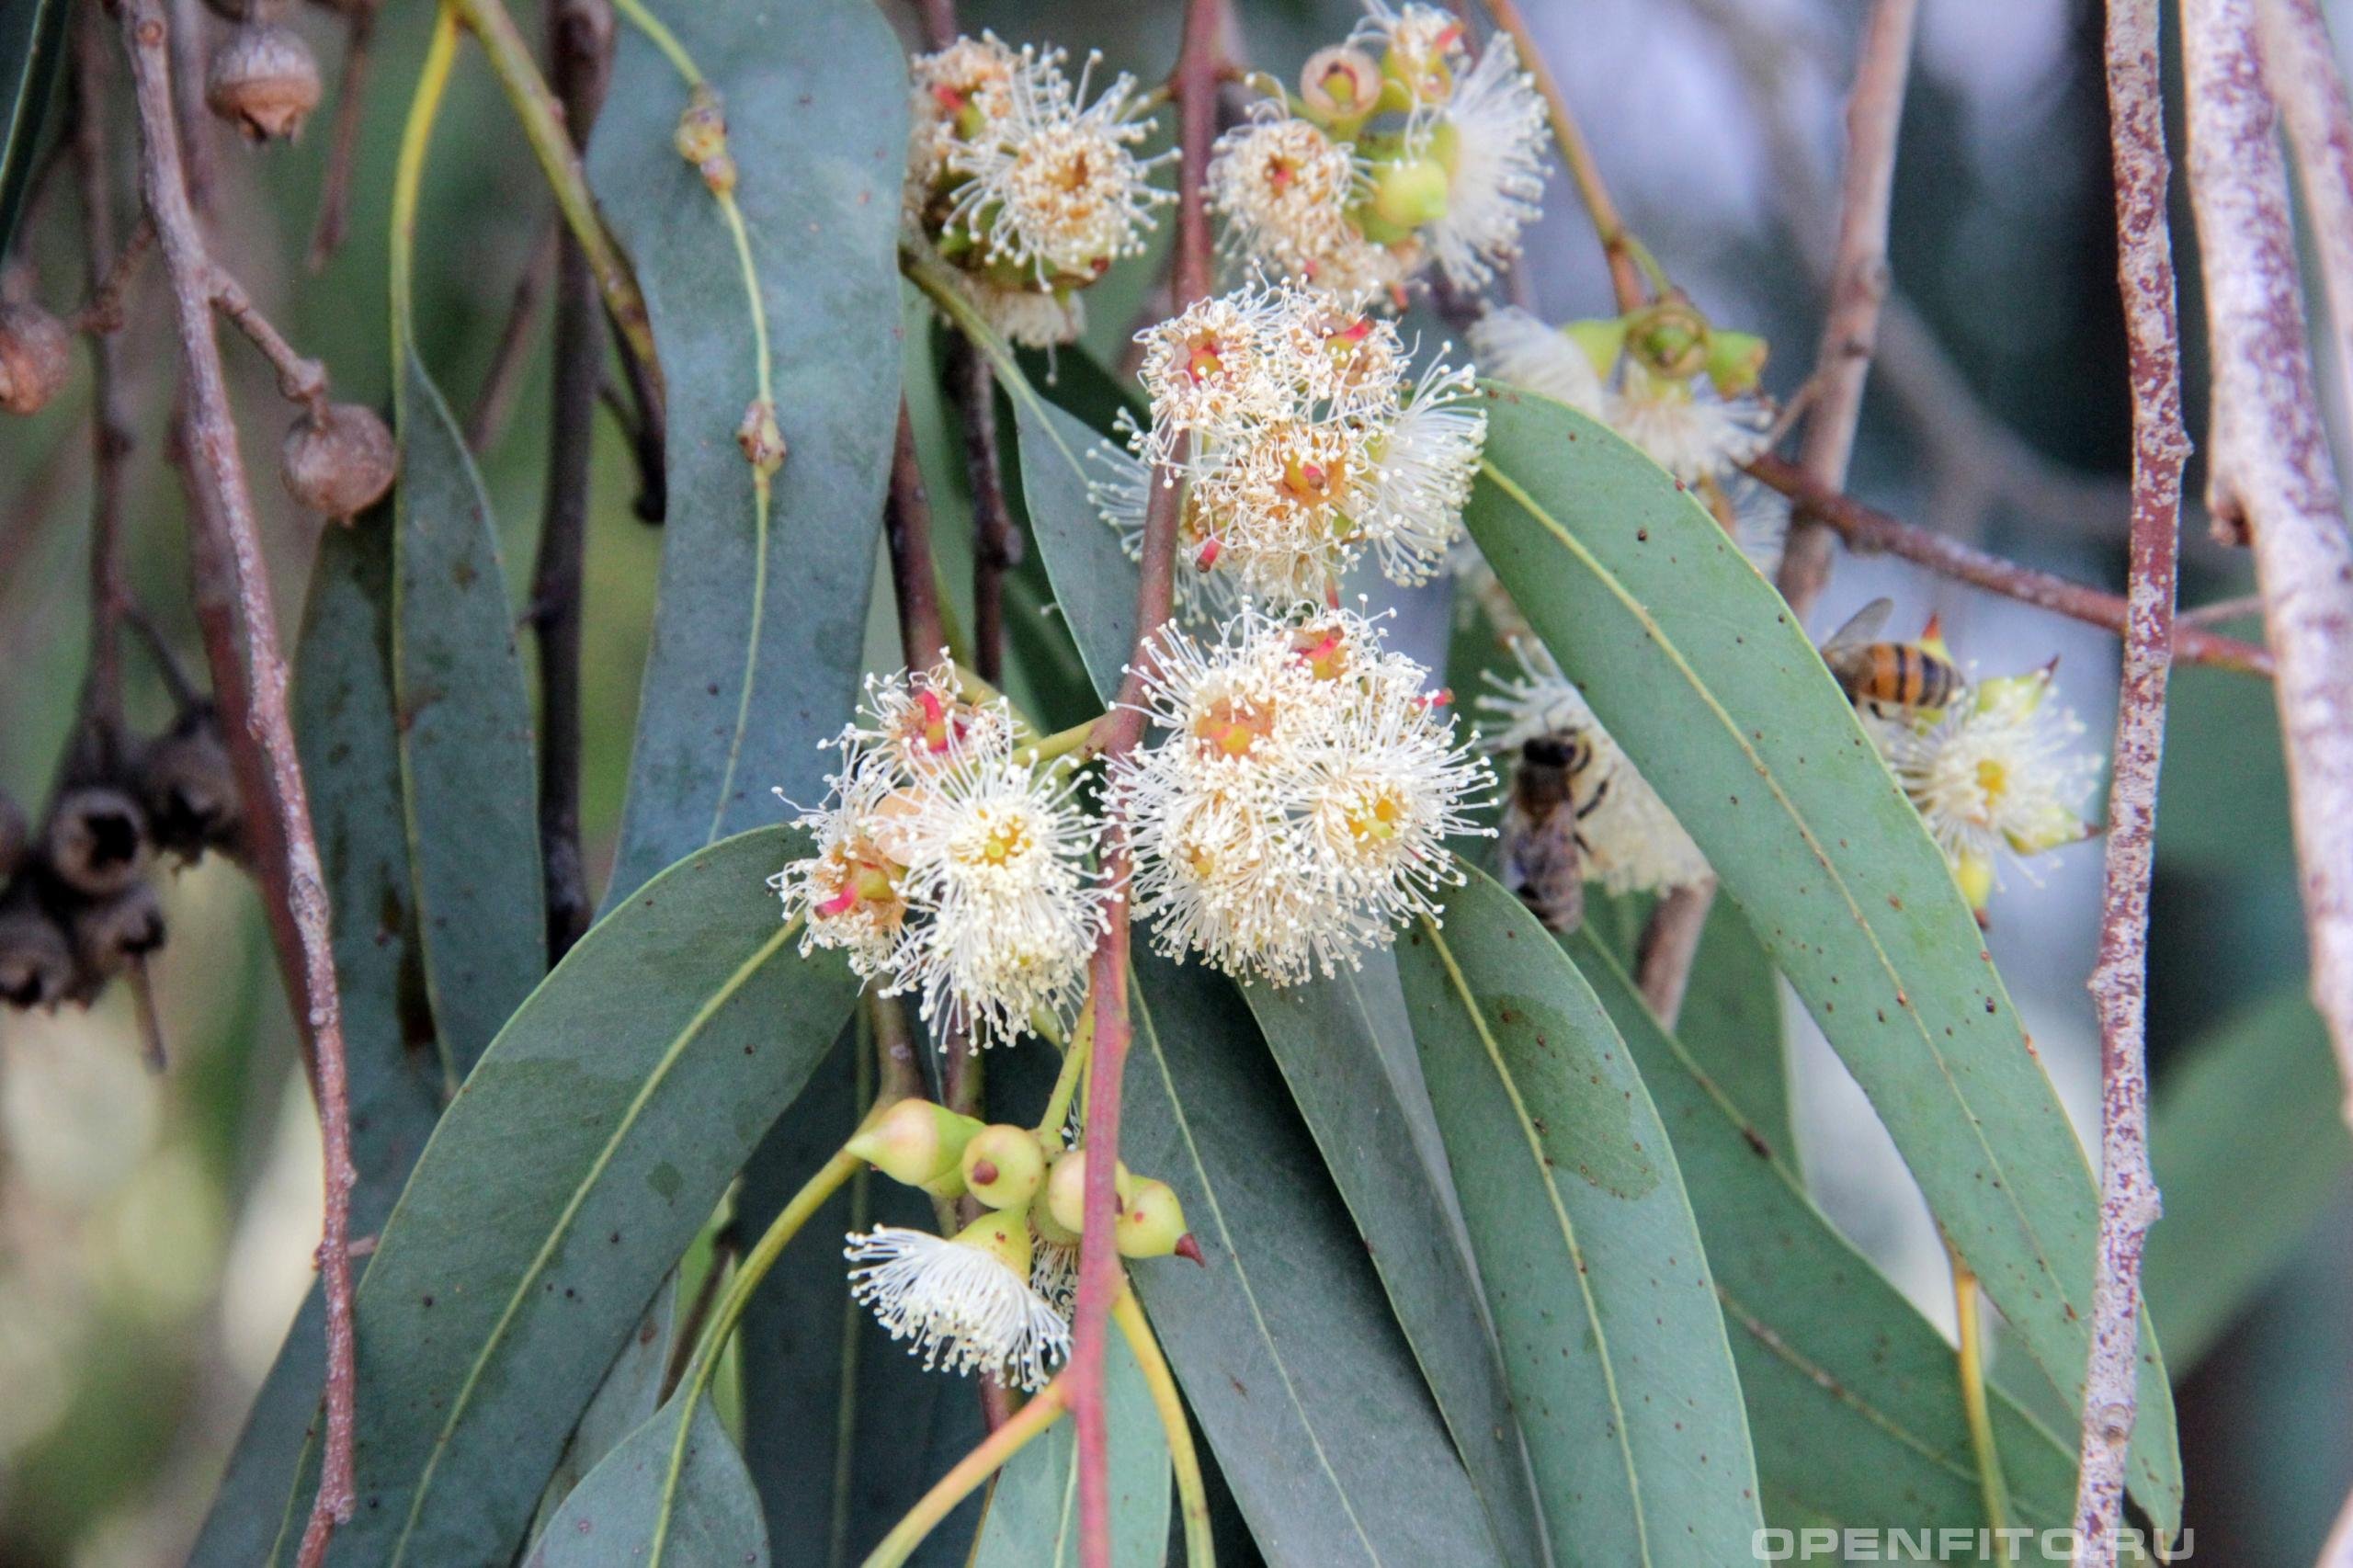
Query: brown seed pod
x=108 y=934
x=36 y=352
x=263 y=80
x=188 y=789
x=36 y=961
x=96 y=840
x=339 y=463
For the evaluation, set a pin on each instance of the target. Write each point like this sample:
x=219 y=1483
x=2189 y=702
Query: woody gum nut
x=36 y=353
x=1004 y=1165
x=340 y=463
x=189 y=788
x=35 y=962
x=96 y=840
x=107 y=936
x=264 y=81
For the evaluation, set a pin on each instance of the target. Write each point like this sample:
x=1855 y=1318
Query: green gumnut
x=1066 y=1189
x=1004 y=1235
x=1151 y=1222
x=916 y=1142
x=1409 y=192
x=1671 y=337
x=1736 y=360
x=1004 y=1165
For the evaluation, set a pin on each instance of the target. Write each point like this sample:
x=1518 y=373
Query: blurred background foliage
x=156 y=1233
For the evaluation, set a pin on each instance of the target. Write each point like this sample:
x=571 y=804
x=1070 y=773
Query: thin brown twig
x=2234 y=608
x=343 y=152
x=907 y=524
x=487 y=421
x=226 y=541
x=299 y=378
x=1193 y=85
x=1867 y=531
x=580 y=49
x=111 y=435
x=2268 y=467
x=103 y=311
x=1617 y=246
x=1859 y=286
x=996 y=543
x=2129 y=1204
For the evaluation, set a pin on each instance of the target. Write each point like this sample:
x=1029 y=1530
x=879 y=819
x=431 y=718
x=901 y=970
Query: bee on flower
x=1029 y=189
x=1304 y=446
x=1404 y=146
x=1629 y=840
x=945 y=866
x=1296 y=806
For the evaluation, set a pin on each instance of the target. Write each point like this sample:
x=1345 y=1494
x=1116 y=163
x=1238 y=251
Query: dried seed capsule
x=108 y=934
x=36 y=351
x=263 y=80
x=188 y=789
x=339 y=463
x=96 y=840
x=36 y=963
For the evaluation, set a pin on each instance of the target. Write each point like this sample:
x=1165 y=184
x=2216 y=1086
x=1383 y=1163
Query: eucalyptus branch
x=343 y=150
x=996 y=544
x=1194 y=87
x=580 y=47
x=2268 y=467
x=226 y=543
x=299 y=378
x=1618 y=247
x=111 y=437
x=2120 y=980
x=1867 y=531
x=907 y=524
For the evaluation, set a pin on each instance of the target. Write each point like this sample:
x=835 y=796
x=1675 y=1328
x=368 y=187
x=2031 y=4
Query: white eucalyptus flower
x=849 y=893
x=1513 y=345
x=921 y=724
x=1999 y=775
x=1423 y=466
x=965 y=1301
x=1284 y=187
x=1688 y=428
x=1490 y=136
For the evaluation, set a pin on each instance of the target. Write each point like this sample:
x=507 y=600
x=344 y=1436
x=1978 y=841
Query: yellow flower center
x=1993 y=781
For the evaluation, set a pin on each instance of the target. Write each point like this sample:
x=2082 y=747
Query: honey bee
x=1890 y=677
x=1543 y=854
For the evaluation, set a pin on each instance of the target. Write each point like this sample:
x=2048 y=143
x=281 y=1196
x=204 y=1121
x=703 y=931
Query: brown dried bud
x=12 y=835
x=36 y=352
x=264 y=81
x=108 y=934
x=761 y=438
x=96 y=840
x=36 y=961
x=339 y=463
x=188 y=789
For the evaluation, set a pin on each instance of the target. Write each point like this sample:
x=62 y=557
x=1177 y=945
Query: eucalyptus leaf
x=1853 y=1398
x=469 y=783
x=1032 y=1517
x=346 y=729
x=695 y=1499
x=32 y=47
x=581 y=1157
x=756 y=644
x=1591 y=1260
x=1732 y=1024
x=1698 y=669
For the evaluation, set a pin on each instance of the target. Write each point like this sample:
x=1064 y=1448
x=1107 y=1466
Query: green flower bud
x=1735 y=360
x=916 y=1142
x=1151 y=1222
x=2015 y=696
x=1066 y=1189
x=1049 y=1229
x=1408 y=193
x=1004 y=1235
x=1004 y=1165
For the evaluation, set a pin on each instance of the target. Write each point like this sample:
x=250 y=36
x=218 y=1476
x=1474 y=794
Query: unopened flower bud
x=1003 y=1166
x=1151 y=1222
x=108 y=934
x=36 y=961
x=914 y=1142
x=1670 y=338
x=1736 y=360
x=2015 y=696
x=96 y=840
x=36 y=352
x=1004 y=1235
x=1066 y=1189
x=188 y=789
x=1341 y=84
x=263 y=80
x=339 y=463
x=701 y=140
x=761 y=438
x=1406 y=194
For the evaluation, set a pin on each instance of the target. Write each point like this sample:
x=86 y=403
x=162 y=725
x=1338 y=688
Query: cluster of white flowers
x=1296 y=806
x=946 y=866
x=1302 y=442
x=1312 y=191
x=1997 y=774
x=1031 y=190
x=1630 y=842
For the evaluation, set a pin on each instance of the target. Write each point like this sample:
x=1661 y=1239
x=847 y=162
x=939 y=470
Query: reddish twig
x=996 y=543
x=226 y=546
x=351 y=103
x=299 y=378
x=111 y=436
x=1859 y=281
x=1868 y=531
x=2221 y=610
x=2268 y=467
x=1859 y=286
x=580 y=50
x=2129 y=1203
x=1193 y=85
x=907 y=525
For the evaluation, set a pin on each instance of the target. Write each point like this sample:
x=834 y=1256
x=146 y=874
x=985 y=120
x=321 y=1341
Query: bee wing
x=1862 y=628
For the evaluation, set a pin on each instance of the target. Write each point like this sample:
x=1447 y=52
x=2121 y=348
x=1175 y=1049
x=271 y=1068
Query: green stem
x=1081 y=1042
x=542 y=118
x=1058 y=745
x=408 y=180
x=1193 y=1495
x=971 y=1470
x=1973 y=1393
